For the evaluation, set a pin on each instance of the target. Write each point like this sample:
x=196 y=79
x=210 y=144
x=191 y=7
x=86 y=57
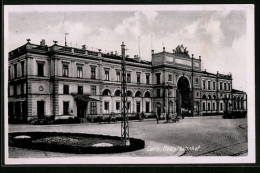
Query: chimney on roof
x=112 y=53
x=164 y=49
x=199 y=57
x=116 y=53
x=42 y=43
x=192 y=55
x=84 y=47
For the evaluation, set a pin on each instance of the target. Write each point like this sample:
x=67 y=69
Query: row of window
x=209 y=108
x=19 y=89
x=222 y=86
x=138 y=107
x=93 y=107
x=236 y=105
x=93 y=90
x=65 y=73
x=15 y=70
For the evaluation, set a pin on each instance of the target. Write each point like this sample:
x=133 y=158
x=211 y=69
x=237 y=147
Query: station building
x=65 y=82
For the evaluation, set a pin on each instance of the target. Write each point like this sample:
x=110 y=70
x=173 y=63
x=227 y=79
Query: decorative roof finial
x=55 y=42
x=28 y=40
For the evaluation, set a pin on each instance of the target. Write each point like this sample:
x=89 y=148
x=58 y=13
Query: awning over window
x=84 y=98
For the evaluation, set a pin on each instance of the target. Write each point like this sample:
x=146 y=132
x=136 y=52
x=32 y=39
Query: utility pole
x=124 y=121
x=139 y=45
x=192 y=94
x=66 y=38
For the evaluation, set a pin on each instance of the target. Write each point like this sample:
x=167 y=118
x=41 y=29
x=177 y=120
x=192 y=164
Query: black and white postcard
x=136 y=84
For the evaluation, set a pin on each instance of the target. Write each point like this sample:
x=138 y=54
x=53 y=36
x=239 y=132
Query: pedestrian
x=157 y=118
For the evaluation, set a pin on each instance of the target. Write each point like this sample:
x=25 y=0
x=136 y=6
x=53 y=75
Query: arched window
x=147 y=94
x=106 y=92
x=138 y=94
x=214 y=97
x=129 y=93
x=209 y=96
x=117 y=93
x=204 y=96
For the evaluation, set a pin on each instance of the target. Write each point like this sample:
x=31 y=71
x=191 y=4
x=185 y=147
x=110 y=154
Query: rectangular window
x=65 y=89
x=15 y=70
x=208 y=85
x=204 y=106
x=22 y=89
x=118 y=106
x=128 y=77
x=15 y=90
x=220 y=85
x=147 y=78
x=9 y=73
x=93 y=108
x=118 y=76
x=213 y=106
x=106 y=106
x=106 y=75
x=66 y=108
x=138 y=78
x=197 y=80
x=221 y=106
x=225 y=86
x=93 y=72
x=8 y=90
x=65 y=70
x=228 y=86
x=138 y=107
x=147 y=107
x=158 y=92
x=40 y=69
x=204 y=84
x=158 y=78
x=214 y=86
x=22 y=68
x=170 y=77
x=209 y=106
x=80 y=89
x=93 y=90
x=79 y=72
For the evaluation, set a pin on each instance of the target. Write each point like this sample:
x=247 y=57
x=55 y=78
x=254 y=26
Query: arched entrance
x=183 y=96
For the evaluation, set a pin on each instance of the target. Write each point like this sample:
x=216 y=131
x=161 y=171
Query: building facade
x=68 y=82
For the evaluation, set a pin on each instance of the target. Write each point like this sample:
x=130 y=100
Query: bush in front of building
x=77 y=143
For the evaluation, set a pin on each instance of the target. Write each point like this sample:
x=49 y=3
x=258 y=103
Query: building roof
x=237 y=91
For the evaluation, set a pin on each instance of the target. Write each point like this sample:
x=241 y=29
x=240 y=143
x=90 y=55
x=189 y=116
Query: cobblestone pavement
x=199 y=136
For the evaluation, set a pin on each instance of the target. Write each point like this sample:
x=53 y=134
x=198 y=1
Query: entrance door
x=40 y=109
x=80 y=110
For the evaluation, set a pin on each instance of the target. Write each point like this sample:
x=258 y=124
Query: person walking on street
x=157 y=118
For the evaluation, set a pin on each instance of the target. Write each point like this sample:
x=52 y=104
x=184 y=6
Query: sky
x=218 y=36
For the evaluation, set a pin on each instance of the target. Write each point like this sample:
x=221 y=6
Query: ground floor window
x=213 y=106
x=93 y=108
x=221 y=106
x=129 y=107
x=66 y=108
x=208 y=106
x=147 y=107
x=138 y=107
x=106 y=107
x=117 y=106
x=203 y=106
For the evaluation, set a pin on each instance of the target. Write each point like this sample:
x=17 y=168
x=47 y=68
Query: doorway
x=40 y=109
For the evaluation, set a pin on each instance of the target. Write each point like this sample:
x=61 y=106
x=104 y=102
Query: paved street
x=199 y=136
